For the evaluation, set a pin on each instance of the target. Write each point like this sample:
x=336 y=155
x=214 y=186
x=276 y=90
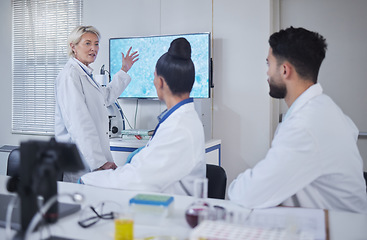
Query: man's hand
x=129 y=60
x=107 y=165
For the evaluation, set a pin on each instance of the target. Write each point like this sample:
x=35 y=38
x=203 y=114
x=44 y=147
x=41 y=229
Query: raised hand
x=129 y=59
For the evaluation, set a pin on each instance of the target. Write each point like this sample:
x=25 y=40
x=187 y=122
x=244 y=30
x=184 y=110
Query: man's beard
x=277 y=91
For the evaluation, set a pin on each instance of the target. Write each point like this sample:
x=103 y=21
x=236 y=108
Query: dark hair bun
x=180 y=48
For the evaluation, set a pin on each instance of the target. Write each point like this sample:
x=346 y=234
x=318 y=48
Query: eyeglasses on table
x=90 y=215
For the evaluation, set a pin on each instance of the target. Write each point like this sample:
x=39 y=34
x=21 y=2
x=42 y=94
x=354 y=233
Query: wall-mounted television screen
x=150 y=49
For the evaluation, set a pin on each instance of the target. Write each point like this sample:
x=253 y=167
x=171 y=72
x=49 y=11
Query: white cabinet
x=213 y=151
x=121 y=148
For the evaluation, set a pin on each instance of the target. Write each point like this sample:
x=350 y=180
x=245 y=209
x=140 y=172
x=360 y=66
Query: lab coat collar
x=166 y=113
x=86 y=70
x=313 y=91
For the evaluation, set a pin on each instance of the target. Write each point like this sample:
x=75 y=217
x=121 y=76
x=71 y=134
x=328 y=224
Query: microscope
x=115 y=114
x=116 y=120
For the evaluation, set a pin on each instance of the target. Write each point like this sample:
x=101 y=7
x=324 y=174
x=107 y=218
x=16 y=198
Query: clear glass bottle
x=200 y=209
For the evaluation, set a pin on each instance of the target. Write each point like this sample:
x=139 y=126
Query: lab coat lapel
x=84 y=75
x=94 y=84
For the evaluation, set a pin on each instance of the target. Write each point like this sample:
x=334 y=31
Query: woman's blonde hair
x=76 y=35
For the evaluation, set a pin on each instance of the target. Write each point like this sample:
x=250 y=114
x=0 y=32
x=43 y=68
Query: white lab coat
x=81 y=113
x=313 y=161
x=169 y=163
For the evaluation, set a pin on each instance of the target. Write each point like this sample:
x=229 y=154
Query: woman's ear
x=72 y=47
x=160 y=82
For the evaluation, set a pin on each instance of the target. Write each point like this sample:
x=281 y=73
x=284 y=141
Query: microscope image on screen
x=150 y=49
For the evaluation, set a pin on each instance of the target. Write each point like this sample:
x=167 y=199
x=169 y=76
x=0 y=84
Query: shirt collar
x=160 y=116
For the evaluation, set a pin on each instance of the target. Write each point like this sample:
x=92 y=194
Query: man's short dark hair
x=304 y=49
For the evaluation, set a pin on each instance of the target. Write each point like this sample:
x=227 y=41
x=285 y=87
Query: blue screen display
x=150 y=50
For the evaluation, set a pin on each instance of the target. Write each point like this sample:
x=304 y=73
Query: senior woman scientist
x=175 y=155
x=81 y=103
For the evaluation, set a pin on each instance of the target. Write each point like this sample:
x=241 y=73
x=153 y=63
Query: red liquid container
x=199 y=209
x=193 y=212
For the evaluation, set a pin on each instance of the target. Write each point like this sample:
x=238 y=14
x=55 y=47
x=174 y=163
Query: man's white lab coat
x=81 y=113
x=313 y=161
x=169 y=163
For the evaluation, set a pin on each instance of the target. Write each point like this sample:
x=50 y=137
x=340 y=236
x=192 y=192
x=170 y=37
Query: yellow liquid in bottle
x=124 y=229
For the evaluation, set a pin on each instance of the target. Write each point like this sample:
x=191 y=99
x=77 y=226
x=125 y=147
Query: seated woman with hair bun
x=175 y=155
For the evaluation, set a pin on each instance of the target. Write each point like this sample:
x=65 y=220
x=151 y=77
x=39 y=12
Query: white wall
x=241 y=100
x=116 y=18
x=240 y=103
x=342 y=74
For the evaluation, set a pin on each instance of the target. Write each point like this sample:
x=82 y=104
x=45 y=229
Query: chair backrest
x=14 y=163
x=217 y=181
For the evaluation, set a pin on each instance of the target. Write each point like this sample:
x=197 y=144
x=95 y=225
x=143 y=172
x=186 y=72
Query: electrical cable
x=109 y=75
x=136 y=112
x=127 y=120
x=121 y=113
x=42 y=226
x=76 y=197
x=9 y=213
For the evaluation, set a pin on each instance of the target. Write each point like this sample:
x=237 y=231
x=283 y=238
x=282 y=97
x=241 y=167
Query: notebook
x=65 y=209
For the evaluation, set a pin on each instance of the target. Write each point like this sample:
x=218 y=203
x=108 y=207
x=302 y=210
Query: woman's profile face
x=87 y=49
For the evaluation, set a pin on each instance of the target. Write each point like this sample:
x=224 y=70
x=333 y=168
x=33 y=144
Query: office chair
x=217 y=181
x=14 y=163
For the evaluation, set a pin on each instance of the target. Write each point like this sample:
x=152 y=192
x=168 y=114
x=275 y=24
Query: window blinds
x=40 y=31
